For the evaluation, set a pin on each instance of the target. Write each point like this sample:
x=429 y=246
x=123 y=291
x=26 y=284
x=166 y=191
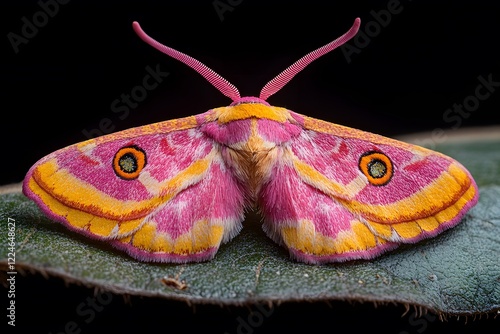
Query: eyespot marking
x=129 y=161
x=377 y=167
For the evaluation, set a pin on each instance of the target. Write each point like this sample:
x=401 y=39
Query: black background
x=403 y=79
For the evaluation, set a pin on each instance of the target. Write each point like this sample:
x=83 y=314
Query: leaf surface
x=456 y=273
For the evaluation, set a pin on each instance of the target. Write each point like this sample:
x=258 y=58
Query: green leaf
x=456 y=273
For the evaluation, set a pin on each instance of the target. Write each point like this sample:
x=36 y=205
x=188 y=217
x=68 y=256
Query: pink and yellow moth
x=173 y=191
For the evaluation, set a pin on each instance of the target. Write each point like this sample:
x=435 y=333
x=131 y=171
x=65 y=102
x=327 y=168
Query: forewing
x=339 y=193
x=151 y=191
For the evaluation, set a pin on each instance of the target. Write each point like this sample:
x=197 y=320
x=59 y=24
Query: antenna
x=224 y=86
x=228 y=89
x=284 y=77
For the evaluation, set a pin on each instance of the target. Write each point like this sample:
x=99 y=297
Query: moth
x=173 y=191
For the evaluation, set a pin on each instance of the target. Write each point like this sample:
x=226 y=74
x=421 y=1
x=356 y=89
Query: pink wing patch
x=335 y=196
x=314 y=227
x=159 y=196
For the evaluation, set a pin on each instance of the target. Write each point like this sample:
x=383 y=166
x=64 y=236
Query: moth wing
x=337 y=193
x=159 y=192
